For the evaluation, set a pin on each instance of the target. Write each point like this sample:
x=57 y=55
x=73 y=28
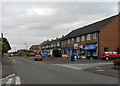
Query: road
x=29 y=71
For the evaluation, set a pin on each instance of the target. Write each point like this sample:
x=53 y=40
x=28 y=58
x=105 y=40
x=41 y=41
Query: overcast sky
x=33 y=23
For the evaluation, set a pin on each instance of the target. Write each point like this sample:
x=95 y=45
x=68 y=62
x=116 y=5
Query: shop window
x=88 y=37
x=82 y=38
x=88 y=53
x=94 y=53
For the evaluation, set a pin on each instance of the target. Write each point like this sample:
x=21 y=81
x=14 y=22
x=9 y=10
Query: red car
x=38 y=57
x=110 y=55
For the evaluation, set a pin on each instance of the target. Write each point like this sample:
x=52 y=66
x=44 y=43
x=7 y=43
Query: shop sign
x=81 y=46
x=75 y=46
x=89 y=47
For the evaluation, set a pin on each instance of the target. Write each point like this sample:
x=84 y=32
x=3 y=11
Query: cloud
x=34 y=23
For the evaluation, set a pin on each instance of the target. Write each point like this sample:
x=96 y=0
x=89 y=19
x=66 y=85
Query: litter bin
x=72 y=58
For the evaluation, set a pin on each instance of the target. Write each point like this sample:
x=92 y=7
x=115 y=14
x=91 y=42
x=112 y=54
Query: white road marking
x=8 y=76
x=68 y=66
x=18 y=80
x=9 y=82
x=80 y=66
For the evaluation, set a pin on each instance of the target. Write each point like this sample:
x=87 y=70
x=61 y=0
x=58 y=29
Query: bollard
x=90 y=58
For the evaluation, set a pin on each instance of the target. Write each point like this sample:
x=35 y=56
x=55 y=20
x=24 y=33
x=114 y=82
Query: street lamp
x=26 y=45
x=26 y=48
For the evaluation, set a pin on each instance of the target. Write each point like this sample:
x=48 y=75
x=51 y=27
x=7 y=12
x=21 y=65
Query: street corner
x=106 y=69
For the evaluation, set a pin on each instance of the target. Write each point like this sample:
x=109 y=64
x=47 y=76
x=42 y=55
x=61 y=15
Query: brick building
x=49 y=46
x=35 y=48
x=93 y=39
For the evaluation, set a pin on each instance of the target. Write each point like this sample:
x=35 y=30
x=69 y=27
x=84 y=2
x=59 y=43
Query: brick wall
x=108 y=37
x=80 y=42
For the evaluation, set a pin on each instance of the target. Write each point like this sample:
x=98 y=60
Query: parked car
x=64 y=56
x=110 y=55
x=45 y=55
x=38 y=57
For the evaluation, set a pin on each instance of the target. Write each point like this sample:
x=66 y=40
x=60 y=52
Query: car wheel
x=107 y=58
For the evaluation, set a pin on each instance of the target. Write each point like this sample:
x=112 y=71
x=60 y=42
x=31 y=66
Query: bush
x=56 y=53
x=116 y=62
x=28 y=54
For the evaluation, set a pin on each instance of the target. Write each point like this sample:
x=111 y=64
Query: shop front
x=69 y=51
x=91 y=50
x=81 y=52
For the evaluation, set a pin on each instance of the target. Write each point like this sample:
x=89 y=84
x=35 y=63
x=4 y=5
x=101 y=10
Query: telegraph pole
x=1 y=44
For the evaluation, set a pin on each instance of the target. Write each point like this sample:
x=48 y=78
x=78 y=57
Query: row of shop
x=88 y=50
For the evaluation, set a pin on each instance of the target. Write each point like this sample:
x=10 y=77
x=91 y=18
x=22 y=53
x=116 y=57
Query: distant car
x=64 y=55
x=110 y=55
x=38 y=57
x=45 y=55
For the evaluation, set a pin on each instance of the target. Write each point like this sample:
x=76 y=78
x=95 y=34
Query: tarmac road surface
x=29 y=71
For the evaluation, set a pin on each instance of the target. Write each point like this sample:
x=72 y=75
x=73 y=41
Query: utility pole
x=1 y=44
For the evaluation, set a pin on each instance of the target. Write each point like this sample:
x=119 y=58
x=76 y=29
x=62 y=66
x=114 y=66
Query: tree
x=56 y=53
x=4 y=46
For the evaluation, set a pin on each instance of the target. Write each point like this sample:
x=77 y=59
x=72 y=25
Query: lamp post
x=26 y=48
x=26 y=45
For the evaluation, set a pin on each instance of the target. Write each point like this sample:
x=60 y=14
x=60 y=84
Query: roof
x=43 y=43
x=95 y=27
x=34 y=46
x=52 y=42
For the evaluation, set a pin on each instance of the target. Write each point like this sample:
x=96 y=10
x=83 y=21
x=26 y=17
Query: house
x=49 y=46
x=93 y=39
x=35 y=48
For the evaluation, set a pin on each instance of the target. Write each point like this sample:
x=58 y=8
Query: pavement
x=50 y=60
x=7 y=68
x=107 y=69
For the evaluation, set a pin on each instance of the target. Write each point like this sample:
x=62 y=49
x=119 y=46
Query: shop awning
x=69 y=48
x=90 y=47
